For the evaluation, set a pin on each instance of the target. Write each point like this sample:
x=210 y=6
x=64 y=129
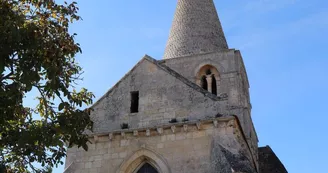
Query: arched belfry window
x=207 y=77
x=147 y=168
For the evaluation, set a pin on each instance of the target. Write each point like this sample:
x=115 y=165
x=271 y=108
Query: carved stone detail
x=160 y=130
x=198 y=124
x=231 y=123
x=215 y=123
x=185 y=127
x=96 y=138
x=173 y=129
x=135 y=133
x=110 y=136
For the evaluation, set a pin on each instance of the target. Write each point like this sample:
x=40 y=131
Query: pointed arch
x=146 y=167
x=141 y=157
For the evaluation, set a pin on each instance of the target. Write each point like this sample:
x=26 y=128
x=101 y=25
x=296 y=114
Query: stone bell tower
x=196 y=29
x=187 y=113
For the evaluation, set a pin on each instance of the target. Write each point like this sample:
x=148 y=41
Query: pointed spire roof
x=196 y=29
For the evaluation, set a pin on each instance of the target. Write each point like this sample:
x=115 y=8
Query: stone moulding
x=134 y=161
x=160 y=129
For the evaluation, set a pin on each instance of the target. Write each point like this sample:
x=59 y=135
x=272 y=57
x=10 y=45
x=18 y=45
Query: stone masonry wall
x=224 y=61
x=164 y=95
x=228 y=63
x=233 y=81
x=161 y=98
x=183 y=151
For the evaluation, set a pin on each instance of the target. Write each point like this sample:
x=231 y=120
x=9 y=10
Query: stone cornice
x=160 y=129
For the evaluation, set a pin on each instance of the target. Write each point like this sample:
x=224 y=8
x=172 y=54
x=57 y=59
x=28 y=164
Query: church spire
x=196 y=29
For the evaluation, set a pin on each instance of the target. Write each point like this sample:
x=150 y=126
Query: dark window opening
x=147 y=168
x=208 y=72
x=204 y=83
x=134 y=102
x=214 y=89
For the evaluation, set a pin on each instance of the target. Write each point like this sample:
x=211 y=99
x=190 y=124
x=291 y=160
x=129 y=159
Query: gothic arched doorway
x=144 y=161
x=147 y=168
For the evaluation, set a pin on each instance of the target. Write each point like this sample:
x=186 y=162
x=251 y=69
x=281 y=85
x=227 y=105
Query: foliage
x=37 y=55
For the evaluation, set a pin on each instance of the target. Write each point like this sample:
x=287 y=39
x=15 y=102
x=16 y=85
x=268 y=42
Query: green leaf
x=41 y=52
x=85 y=146
x=61 y=106
x=28 y=87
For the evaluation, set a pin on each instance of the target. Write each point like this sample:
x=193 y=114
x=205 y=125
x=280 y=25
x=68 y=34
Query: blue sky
x=283 y=43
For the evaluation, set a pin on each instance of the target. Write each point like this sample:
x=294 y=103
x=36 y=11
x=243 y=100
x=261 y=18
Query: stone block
x=99 y=157
x=88 y=165
x=96 y=164
x=79 y=165
x=198 y=134
x=122 y=154
x=114 y=155
x=171 y=137
x=163 y=138
x=209 y=132
x=125 y=142
x=160 y=145
x=180 y=136
x=116 y=162
x=106 y=156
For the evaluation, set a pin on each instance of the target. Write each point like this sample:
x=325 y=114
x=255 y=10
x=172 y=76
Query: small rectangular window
x=134 y=102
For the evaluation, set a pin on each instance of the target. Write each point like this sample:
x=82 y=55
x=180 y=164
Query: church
x=189 y=112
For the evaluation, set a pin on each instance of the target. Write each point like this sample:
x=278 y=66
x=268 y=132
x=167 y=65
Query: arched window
x=214 y=89
x=204 y=83
x=208 y=77
x=147 y=168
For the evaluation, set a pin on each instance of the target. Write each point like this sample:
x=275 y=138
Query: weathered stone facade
x=193 y=146
x=189 y=114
